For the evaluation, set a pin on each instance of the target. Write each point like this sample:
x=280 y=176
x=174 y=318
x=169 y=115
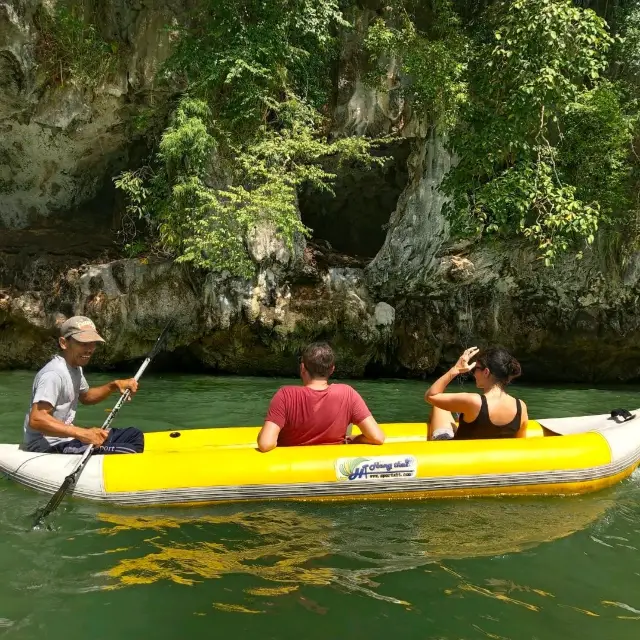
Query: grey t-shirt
x=60 y=385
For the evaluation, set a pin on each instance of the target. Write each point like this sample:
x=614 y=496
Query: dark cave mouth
x=353 y=222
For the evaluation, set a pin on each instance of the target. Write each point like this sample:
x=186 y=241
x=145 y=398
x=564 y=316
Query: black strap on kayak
x=622 y=415
x=71 y=480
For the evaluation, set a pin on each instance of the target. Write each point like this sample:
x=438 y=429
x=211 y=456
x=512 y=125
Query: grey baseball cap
x=81 y=329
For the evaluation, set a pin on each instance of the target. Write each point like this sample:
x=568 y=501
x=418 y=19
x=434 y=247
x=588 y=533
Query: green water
x=492 y=568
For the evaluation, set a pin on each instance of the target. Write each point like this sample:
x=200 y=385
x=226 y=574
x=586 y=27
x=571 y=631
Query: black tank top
x=483 y=428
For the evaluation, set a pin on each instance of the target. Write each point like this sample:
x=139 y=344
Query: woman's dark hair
x=318 y=359
x=501 y=364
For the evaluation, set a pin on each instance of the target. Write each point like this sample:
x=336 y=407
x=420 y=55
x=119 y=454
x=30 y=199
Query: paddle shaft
x=72 y=478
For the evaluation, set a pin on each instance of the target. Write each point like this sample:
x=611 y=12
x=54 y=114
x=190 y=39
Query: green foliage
x=541 y=61
x=594 y=150
x=135 y=248
x=206 y=226
x=432 y=62
x=531 y=196
x=544 y=142
x=257 y=77
x=627 y=46
x=189 y=218
x=71 y=49
x=245 y=56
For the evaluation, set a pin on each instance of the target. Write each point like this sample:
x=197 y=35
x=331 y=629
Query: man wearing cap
x=57 y=388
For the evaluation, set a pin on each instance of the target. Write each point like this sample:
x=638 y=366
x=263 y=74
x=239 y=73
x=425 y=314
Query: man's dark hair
x=318 y=359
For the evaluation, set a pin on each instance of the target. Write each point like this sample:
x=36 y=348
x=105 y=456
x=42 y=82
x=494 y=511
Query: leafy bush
x=432 y=60
x=70 y=49
x=542 y=59
x=247 y=132
x=538 y=99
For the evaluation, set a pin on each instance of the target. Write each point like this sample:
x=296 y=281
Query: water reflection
x=286 y=547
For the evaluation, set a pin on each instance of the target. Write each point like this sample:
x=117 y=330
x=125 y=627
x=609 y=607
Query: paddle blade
x=56 y=499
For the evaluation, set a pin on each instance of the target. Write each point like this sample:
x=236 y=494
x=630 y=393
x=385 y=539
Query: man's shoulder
x=52 y=368
x=290 y=390
x=340 y=387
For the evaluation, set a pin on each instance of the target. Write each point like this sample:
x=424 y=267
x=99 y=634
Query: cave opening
x=353 y=221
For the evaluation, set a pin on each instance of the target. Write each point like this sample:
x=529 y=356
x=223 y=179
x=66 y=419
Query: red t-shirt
x=309 y=416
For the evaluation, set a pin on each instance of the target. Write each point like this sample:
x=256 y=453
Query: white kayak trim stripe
x=18 y=466
x=336 y=489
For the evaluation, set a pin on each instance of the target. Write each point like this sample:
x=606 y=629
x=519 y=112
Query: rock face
x=567 y=324
x=58 y=141
x=409 y=311
x=417 y=229
x=570 y=324
x=223 y=323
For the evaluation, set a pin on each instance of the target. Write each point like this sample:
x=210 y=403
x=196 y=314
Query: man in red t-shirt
x=317 y=412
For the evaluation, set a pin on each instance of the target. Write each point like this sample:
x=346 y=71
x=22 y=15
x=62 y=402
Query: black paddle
x=72 y=478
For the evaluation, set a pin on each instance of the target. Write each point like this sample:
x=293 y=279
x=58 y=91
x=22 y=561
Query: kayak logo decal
x=376 y=468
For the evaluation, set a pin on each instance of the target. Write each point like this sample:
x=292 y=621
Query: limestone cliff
x=59 y=141
x=408 y=311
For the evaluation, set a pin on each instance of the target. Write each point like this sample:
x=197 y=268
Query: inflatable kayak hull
x=222 y=465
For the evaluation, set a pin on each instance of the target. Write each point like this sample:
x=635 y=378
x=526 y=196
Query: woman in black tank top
x=492 y=414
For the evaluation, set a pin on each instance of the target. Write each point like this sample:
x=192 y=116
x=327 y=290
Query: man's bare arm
x=98 y=394
x=268 y=436
x=41 y=419
x=371 y=432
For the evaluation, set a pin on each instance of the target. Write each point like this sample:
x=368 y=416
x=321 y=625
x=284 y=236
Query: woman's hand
x=463 y=366
x=460 y=402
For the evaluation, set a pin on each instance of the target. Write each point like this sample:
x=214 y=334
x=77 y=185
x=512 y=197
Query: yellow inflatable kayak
x=559 y=456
